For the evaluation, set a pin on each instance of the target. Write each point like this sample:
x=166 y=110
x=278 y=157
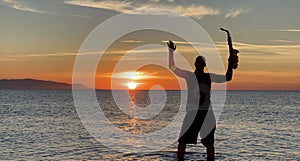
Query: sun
x=132 y=85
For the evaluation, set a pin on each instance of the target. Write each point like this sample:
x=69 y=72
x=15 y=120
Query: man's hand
x=172 y=46
x=233 y=59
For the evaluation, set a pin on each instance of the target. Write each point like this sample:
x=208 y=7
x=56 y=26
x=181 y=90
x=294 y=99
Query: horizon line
x=104 y=89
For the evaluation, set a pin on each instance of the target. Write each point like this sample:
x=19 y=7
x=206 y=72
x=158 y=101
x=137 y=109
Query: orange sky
x=257 y=71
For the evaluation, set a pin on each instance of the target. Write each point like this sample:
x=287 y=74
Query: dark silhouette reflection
x=199 y=114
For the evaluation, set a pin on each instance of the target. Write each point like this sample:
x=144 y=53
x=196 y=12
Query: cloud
x=133 y=7
x=132 y=41
x=155 y=1
x=235 y=12
x=109 y=5
x=196 y=11
x=279 y=30
x=281 y=41
x=40 y=55
x=21 y=6
x=255 y=49
x=279 y=57
x=188 y=43
x=77 y=15
x=18 y=5
x=132 y=75
x=290 y=30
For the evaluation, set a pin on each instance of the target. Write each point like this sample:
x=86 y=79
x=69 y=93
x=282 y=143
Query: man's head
x=200 y=62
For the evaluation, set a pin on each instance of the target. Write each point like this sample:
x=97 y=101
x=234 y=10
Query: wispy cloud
x=78 y=15
x=281 y=41
x=196 y=11
x=242 y=44
x=132 y=41
x=279 y=30
x=235 y=12
x=188 y=43
x=19 y=5
x=109 y=5
x=289 y=30
x=133 y=7
x=134 y=75
x=40 y=55
x=264 y=56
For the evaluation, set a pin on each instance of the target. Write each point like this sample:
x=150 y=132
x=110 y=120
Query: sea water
x=44 y=125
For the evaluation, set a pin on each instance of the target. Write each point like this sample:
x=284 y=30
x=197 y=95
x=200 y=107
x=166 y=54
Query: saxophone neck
x=228 y=35
x=229 y=40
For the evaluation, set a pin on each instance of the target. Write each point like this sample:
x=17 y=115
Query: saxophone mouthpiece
x=222 y=29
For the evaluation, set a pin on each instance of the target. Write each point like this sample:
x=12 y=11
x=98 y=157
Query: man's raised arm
x=228 y=76
x=179 y=72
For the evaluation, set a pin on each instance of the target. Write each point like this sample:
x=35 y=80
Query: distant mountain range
x=36 y=84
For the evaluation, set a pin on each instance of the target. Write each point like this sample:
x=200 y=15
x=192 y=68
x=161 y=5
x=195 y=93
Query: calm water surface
x=44 y=125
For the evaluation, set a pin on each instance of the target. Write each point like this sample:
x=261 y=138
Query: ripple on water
x=43 y=125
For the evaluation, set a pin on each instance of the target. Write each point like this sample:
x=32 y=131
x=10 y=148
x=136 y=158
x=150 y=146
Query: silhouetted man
x=199 y=112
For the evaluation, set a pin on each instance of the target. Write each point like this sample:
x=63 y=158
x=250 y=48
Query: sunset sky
x=40 y=39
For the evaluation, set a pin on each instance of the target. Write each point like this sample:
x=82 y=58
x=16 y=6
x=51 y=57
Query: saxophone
x=233 y=58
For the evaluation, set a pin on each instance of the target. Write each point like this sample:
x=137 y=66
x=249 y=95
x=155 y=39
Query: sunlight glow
x=132 y=85
x=134 y=75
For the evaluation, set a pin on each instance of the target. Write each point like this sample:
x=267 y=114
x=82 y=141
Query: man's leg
x=208 y=140
x=210 y=150
x=181 y=150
